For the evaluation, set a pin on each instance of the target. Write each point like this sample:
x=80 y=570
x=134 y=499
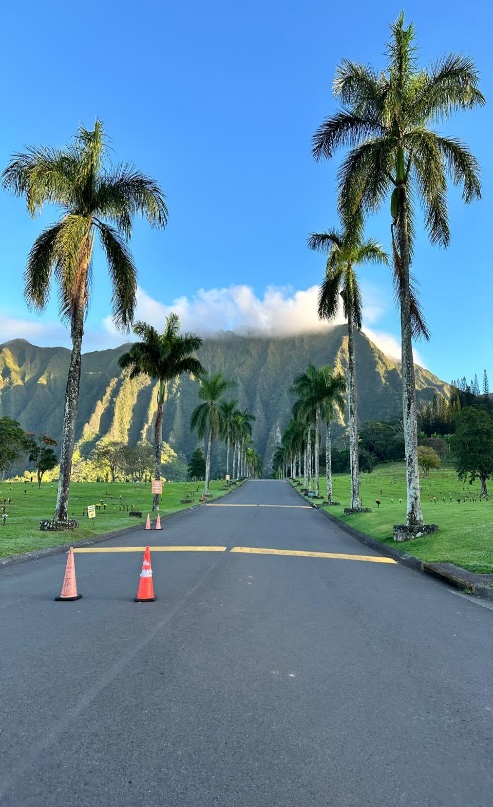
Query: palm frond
x=342 y=130
x=123 y=275
x=325 y=242
x=42 y=175
x=451 y=84
x=328 y=295
x=357 y=86
x=127 y=192
x=40 y=264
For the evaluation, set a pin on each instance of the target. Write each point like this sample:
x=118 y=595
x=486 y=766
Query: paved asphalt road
x=254 y=680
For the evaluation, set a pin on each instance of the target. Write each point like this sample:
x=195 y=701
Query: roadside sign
x=228 y=477
x=91 y=510
x=157 y=485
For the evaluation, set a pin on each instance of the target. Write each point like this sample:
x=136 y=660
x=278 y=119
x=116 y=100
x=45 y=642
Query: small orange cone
x=69 y=587
x=158 y=523
x=146 y=589
x=148 y=522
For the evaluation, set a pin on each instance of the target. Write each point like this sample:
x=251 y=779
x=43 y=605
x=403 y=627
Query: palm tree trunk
x=328 y=461
x=309 y=459
x=414 y=515
x=353 y=417
x=158 y=442
x=227 y=456
x=208 y=462
x=317 y=453
x=69 y=418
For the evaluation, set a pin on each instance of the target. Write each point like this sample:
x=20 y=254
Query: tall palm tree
x=307 y=410
x=346 y=251
x=229 y=410
x=394 y=154
x=161 y=356
x=93 y=198
x=206 y=418
x=330 y=391
x=243 y=432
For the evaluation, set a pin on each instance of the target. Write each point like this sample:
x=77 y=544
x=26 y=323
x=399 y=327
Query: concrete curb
x=447 y=572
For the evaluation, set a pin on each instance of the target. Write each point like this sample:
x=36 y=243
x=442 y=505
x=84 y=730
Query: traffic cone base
x=146 y=589
x=69 y=586
x=158 y=523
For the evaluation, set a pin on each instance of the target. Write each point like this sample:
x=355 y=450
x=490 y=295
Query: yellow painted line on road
x=249 y=550
x=152 y=548
x=252 y=550
x=217 y=504
x=289 y=506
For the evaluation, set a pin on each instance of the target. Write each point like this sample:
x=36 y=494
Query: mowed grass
x=465 y=534
x=21 y=532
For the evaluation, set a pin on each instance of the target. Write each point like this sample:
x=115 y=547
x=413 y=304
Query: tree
x=13 y=443
x=139 y=460
x=428 y=459
x=472 y=446
x=346 y=251
x=206 y=418
x=110 y=456
x=42 y=454
x=81 y=182
x=242 y=433
x=229 y=430
x=486 y=386
x=196 y=466
x=386 y=121
x=162 y=357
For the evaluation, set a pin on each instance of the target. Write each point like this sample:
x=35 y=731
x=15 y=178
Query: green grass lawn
x=465 y=534
x=29 y=505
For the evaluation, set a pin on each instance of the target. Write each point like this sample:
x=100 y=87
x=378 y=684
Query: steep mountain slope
x=32 y=386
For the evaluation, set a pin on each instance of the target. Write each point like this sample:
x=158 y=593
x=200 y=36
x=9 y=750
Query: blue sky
x=218 y=102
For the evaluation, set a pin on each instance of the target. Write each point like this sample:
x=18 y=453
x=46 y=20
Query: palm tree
x=229 y=410
x=386 y=122
x=88 y=191
x=243 y=432
x=161 y=356
x=307 y=410
x=206 y=418
x=346 y=251
x=330 y=392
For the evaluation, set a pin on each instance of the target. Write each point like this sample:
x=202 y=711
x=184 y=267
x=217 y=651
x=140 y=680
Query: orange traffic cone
x=146 y=589
x=148 y=522
x=158 y=523
x=69 y=587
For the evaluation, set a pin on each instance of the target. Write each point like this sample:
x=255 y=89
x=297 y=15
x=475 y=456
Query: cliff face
x=32 y=387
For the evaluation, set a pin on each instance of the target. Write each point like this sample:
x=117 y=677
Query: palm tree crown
x=93 y=198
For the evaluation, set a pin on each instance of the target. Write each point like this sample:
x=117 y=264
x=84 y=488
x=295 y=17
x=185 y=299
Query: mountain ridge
x=33 y=379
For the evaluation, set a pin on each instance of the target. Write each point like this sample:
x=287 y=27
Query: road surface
x=254 y=680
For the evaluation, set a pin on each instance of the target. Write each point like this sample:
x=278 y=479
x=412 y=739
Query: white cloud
x=34 y=330
x=280 y=312
x=389 y=345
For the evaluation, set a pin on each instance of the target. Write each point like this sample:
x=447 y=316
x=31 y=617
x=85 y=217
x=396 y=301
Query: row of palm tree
x=320 y=394
x=215 y=418
x=394 y=155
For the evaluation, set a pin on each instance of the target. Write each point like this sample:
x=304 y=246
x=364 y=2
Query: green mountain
x=32 y=387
